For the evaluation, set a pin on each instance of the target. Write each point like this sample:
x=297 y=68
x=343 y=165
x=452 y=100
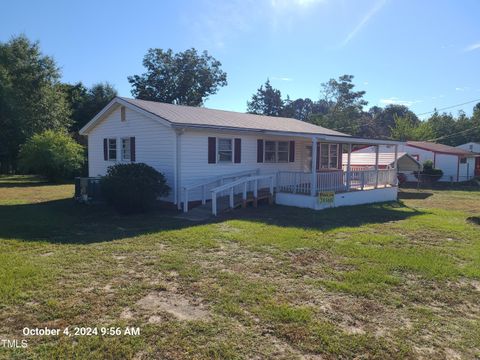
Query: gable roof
x=191 y=116
x=439 y=148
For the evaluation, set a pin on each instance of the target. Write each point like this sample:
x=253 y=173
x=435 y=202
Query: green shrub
x=429 y=173
x=133 y=188
x=53 y=154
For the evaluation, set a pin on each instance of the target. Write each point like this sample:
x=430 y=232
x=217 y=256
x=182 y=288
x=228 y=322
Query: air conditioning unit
x=87 y=189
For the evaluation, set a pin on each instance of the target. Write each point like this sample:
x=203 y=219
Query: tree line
x=344 y=109
x=34 y=101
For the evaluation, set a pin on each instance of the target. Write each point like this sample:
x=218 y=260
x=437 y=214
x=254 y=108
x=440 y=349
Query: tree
x=443 y=125
x=383 y=120
x=185 y=78
x=31 y=99
x=53 y=154
x=267 y=101
x=406 y=129
x=345 y=106
x=300 y=109
x=86 y=103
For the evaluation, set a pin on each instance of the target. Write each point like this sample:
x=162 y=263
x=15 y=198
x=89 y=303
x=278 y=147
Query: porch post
x=376 y=165
x=313 y=187
x=349 y=175
x=395 y=159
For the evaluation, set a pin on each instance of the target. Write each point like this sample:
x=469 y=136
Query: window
x=112 y=149
x=463 y=160
x=328 y=156
x=282 y=151
x=126 y=146
x=225 y=150
x=333 y=162
x=270 y=151
x=122 y=114
x=324 y=156
x=277 y=151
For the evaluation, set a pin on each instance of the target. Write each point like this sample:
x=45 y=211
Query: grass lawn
x=399 y=280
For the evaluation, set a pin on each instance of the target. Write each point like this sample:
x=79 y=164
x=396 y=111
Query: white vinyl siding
x=195 y=168
x=154 y=143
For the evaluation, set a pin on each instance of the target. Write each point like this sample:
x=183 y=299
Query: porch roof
x=340 y=139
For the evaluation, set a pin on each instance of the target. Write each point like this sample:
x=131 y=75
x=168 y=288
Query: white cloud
x=396 y=101
x=378 y=5
x=472 y=47
x=365 y=83
x=298 y=3
x=282 y=78
x=459 y=89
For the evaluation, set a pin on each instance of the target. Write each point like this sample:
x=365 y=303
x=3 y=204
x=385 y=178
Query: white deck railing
x=242 y=186
x=208 y=184
x=335 y=181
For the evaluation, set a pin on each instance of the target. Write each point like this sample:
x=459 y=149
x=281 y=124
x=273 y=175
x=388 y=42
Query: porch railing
x=335 y=181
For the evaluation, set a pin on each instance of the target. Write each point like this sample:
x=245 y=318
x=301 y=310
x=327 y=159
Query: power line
x=449 y=107
x=460 y=132
x=372 y=121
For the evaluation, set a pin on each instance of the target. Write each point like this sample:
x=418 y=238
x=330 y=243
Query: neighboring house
x=475 y=148
x=456 y=164
x=205 y=152
x=406 y=164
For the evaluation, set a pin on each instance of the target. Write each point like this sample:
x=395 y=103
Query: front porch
x=336 y=188
x=317 y=179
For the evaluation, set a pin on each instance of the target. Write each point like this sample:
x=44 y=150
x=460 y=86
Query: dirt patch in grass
x=174 y=304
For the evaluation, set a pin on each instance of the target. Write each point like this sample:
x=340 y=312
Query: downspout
x=178 y=157
x=458 y=168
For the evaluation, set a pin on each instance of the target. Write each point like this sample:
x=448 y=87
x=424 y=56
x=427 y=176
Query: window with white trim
x=270 y=152
x=112 y=149
x=225 y=150
x=276 y=151
x=328 y=156
x=282 y=151
x=126 y=149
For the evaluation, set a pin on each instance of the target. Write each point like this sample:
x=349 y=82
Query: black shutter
x=238 y=151
x=259 y=151
x=291 y=155
x=132 y=149
x=212 y=150
x=105 y=149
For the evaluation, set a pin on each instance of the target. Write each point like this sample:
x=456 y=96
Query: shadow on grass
x=65 y=221
x=328 y=219
x=443 y=185
x=414 y=195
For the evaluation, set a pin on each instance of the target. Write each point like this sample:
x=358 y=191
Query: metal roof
x=439 y=148
x=200 y=116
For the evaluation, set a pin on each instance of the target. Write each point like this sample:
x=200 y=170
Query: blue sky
x=423 y=54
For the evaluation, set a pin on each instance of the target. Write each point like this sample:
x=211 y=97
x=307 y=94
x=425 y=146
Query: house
x=457 y=164
x=209 y=154
x=473 y=147
x=406 y=164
